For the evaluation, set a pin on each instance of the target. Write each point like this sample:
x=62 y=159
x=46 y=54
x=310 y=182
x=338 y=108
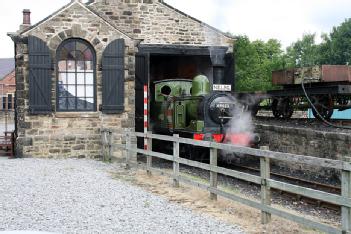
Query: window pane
x=71 y=78
x=90 y=103
x=62 y=65
x=80 y=66
x=71 y=65
x=70 y=46
x=81 y=103
x=80 y=91
x=80 y=78
x=64 y=54
x=62 y=91
x=62 y=78
x=79 y=56
x=88 y=55
x=89 y=78
x=89 y=91
x=62 y=103
x=81 y=47
x=71 y=103
x=72 y=90
x=89 y=66
x=71 y=55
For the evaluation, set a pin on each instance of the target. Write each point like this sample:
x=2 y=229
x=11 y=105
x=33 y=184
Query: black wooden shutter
x=40 y=76
x=113 y=78
x=229 y=71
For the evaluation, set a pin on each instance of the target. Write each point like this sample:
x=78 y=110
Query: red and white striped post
x=145 y=114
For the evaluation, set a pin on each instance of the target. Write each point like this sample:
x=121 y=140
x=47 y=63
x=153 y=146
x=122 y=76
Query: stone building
x=7 y=91
x=7 y=83
x=82 y=69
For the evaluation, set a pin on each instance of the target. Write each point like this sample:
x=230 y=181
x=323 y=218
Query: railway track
x=297 y=181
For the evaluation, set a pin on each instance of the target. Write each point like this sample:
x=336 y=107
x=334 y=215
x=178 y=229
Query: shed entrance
x=160 y=62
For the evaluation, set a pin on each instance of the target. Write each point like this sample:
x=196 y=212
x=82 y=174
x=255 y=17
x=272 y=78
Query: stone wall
x=71 y=134
x=306 y=141
x=155 y=22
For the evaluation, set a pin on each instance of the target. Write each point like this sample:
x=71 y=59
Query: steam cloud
x=241 y=125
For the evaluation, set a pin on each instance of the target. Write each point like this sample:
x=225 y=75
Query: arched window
x=76 y=76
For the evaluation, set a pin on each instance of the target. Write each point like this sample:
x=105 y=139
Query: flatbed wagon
x=326 y=87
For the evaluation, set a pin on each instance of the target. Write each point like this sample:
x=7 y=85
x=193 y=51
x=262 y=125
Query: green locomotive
x=189 y=108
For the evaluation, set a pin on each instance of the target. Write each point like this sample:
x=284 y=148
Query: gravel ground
x=80 y=196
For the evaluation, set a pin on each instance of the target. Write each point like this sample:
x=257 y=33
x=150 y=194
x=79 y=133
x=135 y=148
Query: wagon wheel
x=275 y=110
x=324 y=105
x=282 y=108
x=254 y=110
x=287 y=108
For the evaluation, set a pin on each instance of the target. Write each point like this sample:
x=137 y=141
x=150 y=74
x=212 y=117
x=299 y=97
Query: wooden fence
x=264 y=180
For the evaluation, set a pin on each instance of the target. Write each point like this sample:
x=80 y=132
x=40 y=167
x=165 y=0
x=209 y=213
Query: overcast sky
x=285 y=20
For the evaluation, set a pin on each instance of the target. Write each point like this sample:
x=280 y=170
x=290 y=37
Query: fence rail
x=264 y=180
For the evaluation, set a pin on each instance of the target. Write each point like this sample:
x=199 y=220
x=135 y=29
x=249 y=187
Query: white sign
x=222 y=87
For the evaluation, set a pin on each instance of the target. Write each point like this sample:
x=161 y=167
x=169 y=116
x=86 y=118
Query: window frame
x=58 y=55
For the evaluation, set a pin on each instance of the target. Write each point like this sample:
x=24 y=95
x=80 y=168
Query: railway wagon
x=322 y=88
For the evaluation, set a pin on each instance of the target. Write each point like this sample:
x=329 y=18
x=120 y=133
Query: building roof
x=26 y=30
x=7 y=65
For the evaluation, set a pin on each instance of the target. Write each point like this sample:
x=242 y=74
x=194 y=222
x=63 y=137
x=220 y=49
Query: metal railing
x=264 y=180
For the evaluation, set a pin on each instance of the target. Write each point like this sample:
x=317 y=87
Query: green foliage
x=336 y=47
x=255 y=62
x=302 y=53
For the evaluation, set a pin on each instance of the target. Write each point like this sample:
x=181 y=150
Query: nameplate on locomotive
x=222 y=87
x=223 y=105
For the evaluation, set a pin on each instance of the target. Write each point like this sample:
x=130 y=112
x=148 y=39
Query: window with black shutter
x=113 y=78
x=9 y=102
x=76 y=85
x=4 y=103
x=40 y=75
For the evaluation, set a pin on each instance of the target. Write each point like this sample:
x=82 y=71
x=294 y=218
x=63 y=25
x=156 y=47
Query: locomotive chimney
x=26 y=19
x=218 y=63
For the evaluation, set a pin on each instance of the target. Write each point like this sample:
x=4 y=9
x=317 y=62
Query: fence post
x=346 y=193
x=176 y=161
x=106 y=138
x=265 y=189
x=213 y=175
x=148 y=157
x=128 y=144
x=110 y=146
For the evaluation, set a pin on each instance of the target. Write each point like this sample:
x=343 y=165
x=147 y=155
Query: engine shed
x=82 y=69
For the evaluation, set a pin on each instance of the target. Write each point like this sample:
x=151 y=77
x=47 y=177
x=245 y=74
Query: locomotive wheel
x=324 y=105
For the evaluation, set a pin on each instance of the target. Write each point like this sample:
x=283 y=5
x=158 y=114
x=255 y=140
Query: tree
x=303 y=53
x=336 y=48
x=255 y=62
